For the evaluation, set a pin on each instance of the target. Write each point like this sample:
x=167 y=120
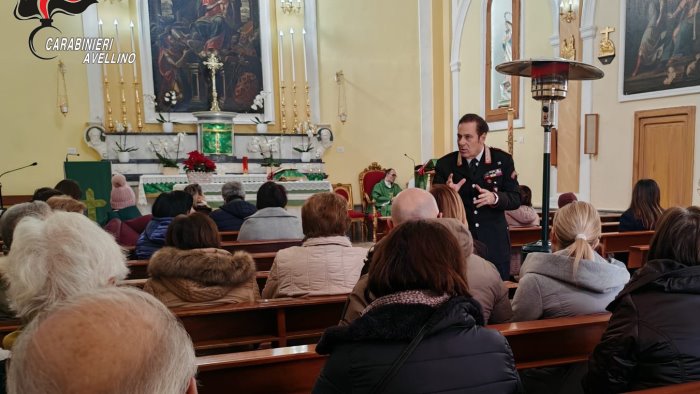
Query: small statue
x=95 y=138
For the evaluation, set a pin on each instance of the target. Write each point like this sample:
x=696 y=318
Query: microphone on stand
x=414 y=162
x=2 y=207
x=71 y=154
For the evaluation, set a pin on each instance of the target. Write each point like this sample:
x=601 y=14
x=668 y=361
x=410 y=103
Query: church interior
x=319 y=93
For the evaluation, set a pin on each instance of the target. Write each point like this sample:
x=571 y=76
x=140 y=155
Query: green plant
x=122 y=147
x=303 y=148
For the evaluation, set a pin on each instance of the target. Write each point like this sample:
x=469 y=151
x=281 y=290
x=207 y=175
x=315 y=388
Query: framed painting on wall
x=176 y=37
x=660 y=48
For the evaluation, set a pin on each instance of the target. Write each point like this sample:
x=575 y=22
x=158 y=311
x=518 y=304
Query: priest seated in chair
x=384 y=192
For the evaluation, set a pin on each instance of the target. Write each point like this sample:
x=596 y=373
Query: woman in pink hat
x=122 y=200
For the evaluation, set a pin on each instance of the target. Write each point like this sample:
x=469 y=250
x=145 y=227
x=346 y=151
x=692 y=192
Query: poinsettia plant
x=196 y=161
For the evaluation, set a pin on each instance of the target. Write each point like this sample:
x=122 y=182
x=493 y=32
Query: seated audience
x=271 y=221
x=645 y=207
x=199 y=201
x=165 y=208
x=485 y=282
x=525 y=215
x=326 y=263
x=193 y=270
x=55 y=258
x=235 y=210
x=574 y=280
x=127 y=232
x=565 y=199
x=70 y=188
x=652 y=338
x=8 y=222
x=118 y=340
x=421 y=294
x=66 y=203
x=44 y=193
x=122 y=200
x=17 y=212
x=384 y=191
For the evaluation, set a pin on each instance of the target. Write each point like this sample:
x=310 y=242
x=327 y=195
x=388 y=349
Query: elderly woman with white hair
x=231 y=215
x=55 y=258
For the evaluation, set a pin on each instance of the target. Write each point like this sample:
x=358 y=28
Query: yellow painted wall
x=375 y=44
x=33 y=129
x=611 y=170
x=538 y=29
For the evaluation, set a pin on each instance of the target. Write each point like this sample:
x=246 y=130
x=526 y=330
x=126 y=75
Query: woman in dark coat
x=652 y=339
x=645 y=207
x=416 y=283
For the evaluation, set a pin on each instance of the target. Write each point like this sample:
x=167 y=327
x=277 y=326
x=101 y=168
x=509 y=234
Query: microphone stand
x=2 y=206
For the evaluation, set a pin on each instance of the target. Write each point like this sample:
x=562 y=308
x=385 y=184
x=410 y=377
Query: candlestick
x=511 y=115
x=280 y=54
x=139 y=121
x=294 y=108
x=108 y=99
x=306 y=70
x=283 y=109
x=294 y=73
x=121 y=74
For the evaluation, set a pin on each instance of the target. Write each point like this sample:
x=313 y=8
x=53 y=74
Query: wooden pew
x=260 y=246
x=520 y=236
x=283 y=370
x=553 y=342
x=681 y=388
x=295 y=369
x=228 y=236
x=621 y=242
x=610 y=217
x=638 y=256
x=277 y=321
x=610 y=227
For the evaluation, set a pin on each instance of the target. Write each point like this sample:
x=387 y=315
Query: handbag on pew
x=409 y=349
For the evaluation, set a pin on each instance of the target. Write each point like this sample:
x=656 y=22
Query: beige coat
x=320 y=266
x=201 y=277
x=484 y=281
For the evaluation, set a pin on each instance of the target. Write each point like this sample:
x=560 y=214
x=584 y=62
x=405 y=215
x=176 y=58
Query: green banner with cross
x=95 y=180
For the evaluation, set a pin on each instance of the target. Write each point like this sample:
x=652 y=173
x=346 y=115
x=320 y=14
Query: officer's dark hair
x=481 y=126
x=271 y=194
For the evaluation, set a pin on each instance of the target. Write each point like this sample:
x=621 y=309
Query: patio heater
x=549 y=85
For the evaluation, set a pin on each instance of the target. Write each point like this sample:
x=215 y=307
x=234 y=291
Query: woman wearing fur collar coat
x=419 y=288
x=192 y=270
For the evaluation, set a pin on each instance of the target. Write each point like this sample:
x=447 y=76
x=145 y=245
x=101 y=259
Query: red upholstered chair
x=345 y=190
x=369 y=177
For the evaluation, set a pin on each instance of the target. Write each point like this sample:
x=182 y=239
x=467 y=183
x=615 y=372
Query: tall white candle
x=116 y=38
x=303 y=41
x=280 y=50
x=294 y=72
x=133 y=48
x=99 y=31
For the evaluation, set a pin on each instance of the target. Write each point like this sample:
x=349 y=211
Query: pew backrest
x=638 y=256
x=621 y=242
x=520 y=236
x=228 y=236
x=260 y=246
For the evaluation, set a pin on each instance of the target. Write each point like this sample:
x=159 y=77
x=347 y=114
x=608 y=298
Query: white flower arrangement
x=169 y=102
x=163 y=149
x=259 y=104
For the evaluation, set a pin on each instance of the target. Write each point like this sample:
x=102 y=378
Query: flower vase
x=261 y=128
x=305 y=157
x=123 y=157
x=170 y=171
x=199 y=177
x=167 y=127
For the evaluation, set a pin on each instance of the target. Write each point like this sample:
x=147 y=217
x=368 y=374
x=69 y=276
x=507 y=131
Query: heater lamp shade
x=535 y=68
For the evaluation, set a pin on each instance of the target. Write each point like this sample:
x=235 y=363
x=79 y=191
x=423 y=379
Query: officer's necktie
x=473 y=164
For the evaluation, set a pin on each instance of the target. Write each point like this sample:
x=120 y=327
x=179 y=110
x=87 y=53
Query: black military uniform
x=495 y=172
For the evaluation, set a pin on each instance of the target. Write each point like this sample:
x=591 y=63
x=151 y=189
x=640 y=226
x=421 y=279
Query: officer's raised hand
x=455 y=186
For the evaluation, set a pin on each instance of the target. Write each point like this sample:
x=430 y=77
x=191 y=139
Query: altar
x=150 y=186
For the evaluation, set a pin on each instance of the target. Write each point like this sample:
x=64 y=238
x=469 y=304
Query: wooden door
x=664 y=141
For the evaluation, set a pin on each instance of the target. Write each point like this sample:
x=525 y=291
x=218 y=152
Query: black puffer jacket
x=459 y=355
x=230 y=216
x=653 y=338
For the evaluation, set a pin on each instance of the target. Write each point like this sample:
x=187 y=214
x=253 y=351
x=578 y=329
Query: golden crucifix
x=213 y=64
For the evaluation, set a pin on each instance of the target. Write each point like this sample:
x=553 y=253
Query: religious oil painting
x=661 y=48
x=183 y=33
